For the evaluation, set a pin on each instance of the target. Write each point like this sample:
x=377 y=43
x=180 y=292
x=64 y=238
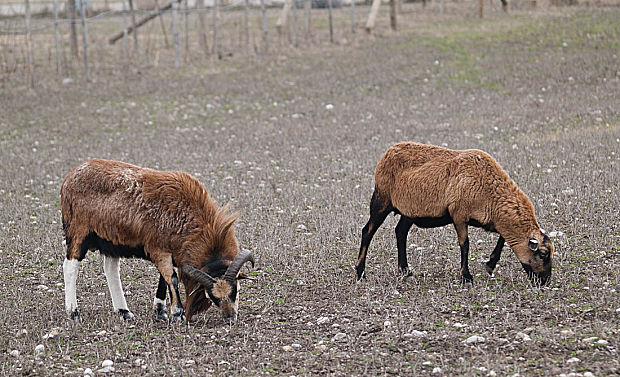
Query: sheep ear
x=533 y=244
x=197 y=275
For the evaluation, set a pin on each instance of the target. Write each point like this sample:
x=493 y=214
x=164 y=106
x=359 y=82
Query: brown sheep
x=431 y=186
x=166 y=217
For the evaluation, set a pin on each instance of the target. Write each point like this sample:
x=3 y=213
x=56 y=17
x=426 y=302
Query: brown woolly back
x=424 y=180
x=168 y=213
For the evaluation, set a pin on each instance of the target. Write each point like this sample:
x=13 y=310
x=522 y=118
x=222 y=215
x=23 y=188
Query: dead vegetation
x=291 y=141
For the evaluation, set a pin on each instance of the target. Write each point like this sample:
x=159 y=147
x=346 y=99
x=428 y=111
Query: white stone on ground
x=415 y=333
x=523 y=336
x=107 y=363
x=39 y=349
x=474 y=339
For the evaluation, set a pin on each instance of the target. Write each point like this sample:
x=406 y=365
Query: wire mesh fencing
x=74 y=37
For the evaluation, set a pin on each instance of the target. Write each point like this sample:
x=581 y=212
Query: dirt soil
x=291 y=140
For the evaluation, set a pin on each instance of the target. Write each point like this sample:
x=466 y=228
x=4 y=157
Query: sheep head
x=223 y=290
x=536 y=257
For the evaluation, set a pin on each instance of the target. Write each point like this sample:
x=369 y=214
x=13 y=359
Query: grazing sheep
x=125 y=211
x=431 y=186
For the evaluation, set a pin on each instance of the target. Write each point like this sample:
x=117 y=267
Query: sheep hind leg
x=402 y=230
x=76 y=251
x=159 y=303
x=111 y=269
x=461 y=231
x=378 y=213
x=70 y=269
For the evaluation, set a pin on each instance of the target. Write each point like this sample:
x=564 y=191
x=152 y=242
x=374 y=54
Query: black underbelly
x=107 y=248
x=432 y=222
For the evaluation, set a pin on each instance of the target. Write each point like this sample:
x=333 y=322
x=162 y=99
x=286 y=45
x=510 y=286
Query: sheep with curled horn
x=167 y=217
x=431 y=186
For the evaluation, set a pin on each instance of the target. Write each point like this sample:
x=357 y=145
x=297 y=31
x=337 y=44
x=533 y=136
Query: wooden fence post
x=246 y=20
x=185 y=18
x=84 y=39
x=216 y=20
x=125 y=41
x=175 y=33
x=331 y=21
x=163 y=26
x=308 y=9
x=352 y=16
x=393 y=14
x=202 y=35
x=29 y=45
x=265 y=36
x=372 y=16
x=283 y=16
x=57 y=37
x=295 y=26
x=72 y=14
x=135 y=29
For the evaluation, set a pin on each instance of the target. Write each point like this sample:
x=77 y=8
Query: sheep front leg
x=494 y=258
x=111 y=269
x=159 y=303
x=402 y=230
x=461 y=231
x=166 y=269
x=70 y=269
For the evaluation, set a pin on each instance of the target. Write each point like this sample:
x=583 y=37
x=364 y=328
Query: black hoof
x=467 y=281
x=360 y=273
x=404 y=271
x=127 y=315
x=75 y=317
x=162 y=315
x=177 y=318
x=179 y=315
x=161 y=312
x=490 y=268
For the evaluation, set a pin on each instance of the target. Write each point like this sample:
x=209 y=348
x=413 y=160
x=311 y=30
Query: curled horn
x=200 y=276
x=242 y=257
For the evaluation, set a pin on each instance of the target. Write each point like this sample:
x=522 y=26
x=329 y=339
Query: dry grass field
x=291 y=139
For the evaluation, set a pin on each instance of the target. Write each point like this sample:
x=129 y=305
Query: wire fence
x=73 y=38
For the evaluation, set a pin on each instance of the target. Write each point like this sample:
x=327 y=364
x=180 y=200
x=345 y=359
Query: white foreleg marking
x=111 y=268
x=158 y=301
x=70 y=270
